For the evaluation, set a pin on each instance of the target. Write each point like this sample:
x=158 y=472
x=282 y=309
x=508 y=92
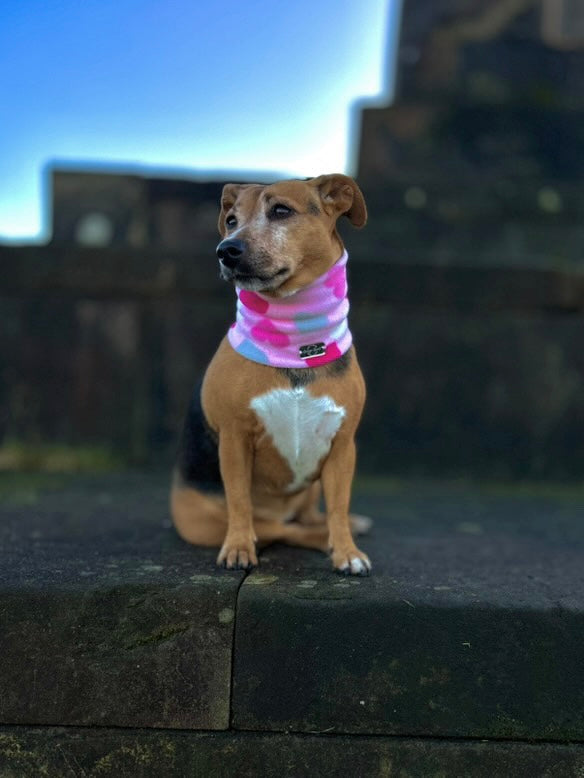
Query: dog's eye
x=280 y=211
x=230 y=221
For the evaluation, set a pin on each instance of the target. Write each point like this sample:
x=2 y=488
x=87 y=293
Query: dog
x=274 y=419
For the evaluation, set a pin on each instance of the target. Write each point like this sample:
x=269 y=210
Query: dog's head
x=280 y=237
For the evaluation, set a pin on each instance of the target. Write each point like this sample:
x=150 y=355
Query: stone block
x=69 y=753
x=108 y=618
x=471 y=624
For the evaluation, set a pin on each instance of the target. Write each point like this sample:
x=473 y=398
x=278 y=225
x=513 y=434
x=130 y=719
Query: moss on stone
x=29 y=762
x=134 y=755
x=16 y=456
x=25 y=488
x=160 y=635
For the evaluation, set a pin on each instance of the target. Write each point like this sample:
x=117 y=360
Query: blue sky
x=181 y=85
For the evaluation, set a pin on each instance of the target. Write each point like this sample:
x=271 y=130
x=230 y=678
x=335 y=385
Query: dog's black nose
x=230 y=251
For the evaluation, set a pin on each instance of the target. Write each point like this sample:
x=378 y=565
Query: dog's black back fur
x=198 y=455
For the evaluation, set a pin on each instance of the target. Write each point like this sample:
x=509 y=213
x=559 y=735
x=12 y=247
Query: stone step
x=27 y=752
x=470 y=627
x=107 y=618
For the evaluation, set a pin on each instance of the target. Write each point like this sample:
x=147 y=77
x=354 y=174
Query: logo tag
x=312 y=350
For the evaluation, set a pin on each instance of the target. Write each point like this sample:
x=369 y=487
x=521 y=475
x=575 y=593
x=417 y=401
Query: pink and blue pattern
x=272 y=331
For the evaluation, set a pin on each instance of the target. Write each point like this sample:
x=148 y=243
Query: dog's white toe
x=360 y=566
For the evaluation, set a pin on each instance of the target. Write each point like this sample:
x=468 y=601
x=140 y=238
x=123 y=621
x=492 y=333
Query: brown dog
x=276 y=417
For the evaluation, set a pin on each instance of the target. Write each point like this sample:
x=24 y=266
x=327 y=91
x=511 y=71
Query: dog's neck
x=308 y=328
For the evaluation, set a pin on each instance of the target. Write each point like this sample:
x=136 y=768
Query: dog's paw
x=351 y=562
x=360 y=525
x=238 y=555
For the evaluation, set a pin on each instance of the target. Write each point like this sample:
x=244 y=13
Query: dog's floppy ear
x=228 y=198
x=342 y=193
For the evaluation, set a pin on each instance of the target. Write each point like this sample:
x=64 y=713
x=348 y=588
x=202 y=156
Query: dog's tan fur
x=256 y=505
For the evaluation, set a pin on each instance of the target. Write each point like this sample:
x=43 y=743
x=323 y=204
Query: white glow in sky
x=181 y=84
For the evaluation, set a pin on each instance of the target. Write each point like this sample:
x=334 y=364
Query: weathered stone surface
x=462 y=392
x=468 y=370
x=477 y=160
x=103 y=373
x=471 y=625
x=468 y=144
x=58 y=753
x=499 y=51
x=107 y=617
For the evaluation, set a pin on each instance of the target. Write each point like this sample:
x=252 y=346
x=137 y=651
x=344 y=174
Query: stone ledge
x=107 y=617
x=69 y=753
x=471 y=625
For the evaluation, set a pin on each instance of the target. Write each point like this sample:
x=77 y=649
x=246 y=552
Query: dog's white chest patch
x=302 y=428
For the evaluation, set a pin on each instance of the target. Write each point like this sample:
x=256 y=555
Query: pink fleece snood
x=307 y=329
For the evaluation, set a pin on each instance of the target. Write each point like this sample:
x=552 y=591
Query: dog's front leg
x=235 y=461
x=337 y=478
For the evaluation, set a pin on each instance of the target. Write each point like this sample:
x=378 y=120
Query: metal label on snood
x=312 y=350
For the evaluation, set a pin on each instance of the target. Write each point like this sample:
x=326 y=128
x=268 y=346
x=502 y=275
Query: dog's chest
x=302 y=428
